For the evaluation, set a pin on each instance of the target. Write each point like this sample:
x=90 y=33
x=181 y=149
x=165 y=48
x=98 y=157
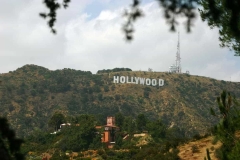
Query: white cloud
x=98 y=43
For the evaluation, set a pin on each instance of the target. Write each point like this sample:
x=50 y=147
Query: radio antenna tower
x=178 y=58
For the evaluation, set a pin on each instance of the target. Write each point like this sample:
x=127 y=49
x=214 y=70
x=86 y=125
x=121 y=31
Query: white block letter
x=132 y=80
x=136 y=79
x=122 y=79
x=154 y=82
x=127 y=79
x=148 y=82
x=161 y=82
x=142 y=80
x=115 y=79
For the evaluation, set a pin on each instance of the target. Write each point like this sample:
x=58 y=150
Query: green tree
x=84 y=118
x=157 y=130
x=229 y=123
x=78 y=138
x=96 y=142
x=118 y=140
x=228 y=21
x=56 y=120
x=119 y=120
x=106 y=88
x=141 y=122
x=146 y=94
x=129 y=125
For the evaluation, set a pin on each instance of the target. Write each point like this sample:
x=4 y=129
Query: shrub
x=195 y=149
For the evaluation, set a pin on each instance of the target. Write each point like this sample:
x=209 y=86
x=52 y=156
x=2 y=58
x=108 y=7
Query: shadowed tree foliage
x=56 y=120
x=228 y=125
x=53 y=6
x=226 y=19
x=119 y=119
x=157 y=130
x=9 y=144
x=141 y=122
x=80 y=137
x=113 y=70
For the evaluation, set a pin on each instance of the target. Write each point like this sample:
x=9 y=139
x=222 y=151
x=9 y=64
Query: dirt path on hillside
x=196 y=150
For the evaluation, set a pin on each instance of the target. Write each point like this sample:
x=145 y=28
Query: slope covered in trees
x=31 y=94
x=83 y=140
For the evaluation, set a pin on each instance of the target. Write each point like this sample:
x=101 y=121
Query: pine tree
x=229 y=123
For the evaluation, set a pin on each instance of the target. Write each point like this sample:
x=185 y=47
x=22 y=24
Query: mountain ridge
x=31 y=94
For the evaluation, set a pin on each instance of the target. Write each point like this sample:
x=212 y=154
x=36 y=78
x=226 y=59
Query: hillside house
x=108 y=136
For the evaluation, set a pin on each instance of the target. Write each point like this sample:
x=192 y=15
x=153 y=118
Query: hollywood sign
x=138 y=80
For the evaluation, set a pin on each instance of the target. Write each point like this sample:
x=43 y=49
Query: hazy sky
x=90 y=38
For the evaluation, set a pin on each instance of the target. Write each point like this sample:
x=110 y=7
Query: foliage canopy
x=225 y=131
x=226 y=19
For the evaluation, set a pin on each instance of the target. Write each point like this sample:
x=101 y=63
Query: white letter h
x=115 y=79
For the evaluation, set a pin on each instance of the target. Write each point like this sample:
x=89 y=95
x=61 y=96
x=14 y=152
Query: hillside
x=31 y=94
x=196 y=149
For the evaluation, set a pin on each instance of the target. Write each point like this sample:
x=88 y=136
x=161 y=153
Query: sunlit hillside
x=31 y=94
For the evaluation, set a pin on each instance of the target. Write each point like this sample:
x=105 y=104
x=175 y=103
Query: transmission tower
x=178 y=58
